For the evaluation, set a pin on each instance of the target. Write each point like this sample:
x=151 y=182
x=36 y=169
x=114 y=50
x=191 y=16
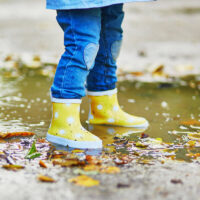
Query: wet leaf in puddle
x=43 y=178
x=84 y=180
x=32 y=152
x=141 y=145
x=191 y=143
x=77 y=151
x=191 y=122
x=193 y=155
x=144 y=135
x=93 y=160
x=68 y=162
x=194 y=136
x=16 y=134
x=33 y=155
x=13 y=167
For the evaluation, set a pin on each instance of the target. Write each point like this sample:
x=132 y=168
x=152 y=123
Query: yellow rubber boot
x=104 y=109
x=66 y=129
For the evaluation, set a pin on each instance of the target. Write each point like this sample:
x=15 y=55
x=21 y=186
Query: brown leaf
x=15 y=134
x=176 y=181
x=93 y=160
x=13 y=167
x=190 y=122
x=144 y=135
x=123 y=185
x=68 y=162
x=137 y=73
x=42 y=164
x=45 y=179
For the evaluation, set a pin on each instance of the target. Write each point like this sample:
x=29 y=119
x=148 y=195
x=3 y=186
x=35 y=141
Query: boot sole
x=74 y=144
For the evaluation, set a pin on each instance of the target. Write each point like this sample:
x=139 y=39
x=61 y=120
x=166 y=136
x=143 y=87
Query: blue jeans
x=92 y=39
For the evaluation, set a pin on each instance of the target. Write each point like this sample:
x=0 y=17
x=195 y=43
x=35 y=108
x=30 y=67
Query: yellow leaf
x=84 y=180
x=191 y=143
x=141 y=145
x=194 y=136
x=13 y=167
x=77 y=151
x=91 y=167
x=110 y=170
x=45 y=179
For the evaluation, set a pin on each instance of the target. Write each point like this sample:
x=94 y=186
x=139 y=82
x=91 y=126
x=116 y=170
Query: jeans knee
x=89 y=54
x=115 y=49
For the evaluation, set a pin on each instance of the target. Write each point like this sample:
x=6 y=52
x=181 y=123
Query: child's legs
x=103 y=76
x=81 y=37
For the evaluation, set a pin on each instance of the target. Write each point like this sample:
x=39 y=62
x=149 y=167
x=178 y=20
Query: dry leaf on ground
x=84 y=180
x=13 y=167
x=45 y=179
x=110 y=170
x=42 y=164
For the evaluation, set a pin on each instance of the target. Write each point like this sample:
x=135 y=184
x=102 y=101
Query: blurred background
x=165 y=32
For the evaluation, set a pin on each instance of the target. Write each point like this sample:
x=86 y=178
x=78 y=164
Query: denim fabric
x=89 y=35
x=103 y=76
x=79 y=4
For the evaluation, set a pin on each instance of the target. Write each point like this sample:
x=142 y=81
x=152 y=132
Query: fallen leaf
x=91 y=167
x=16 y=134
x=42 y=164
x=137 y=73
x=141 y=145
x=84 y=180
x=13 y=167
x=190 y=122
x=46 y=179
x=32 y=152
x=176 y=181
x=194 y=136
x=93 y=160
x=83 y=172
x=123 y=185
x=68 y=162
x=110 y=170
x=77 y=151
x=144 y=135
x=191 y=143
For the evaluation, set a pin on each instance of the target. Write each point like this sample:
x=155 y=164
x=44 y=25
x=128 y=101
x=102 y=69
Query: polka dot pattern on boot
x=78 y=135
x=111 y=120
x=115 y=108
x=56 y=115
x=61 y=131
x=70 y=120
x=99 y=107
x=131 y=119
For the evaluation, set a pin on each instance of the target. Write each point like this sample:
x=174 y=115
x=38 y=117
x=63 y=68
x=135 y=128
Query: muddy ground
x=163 y=32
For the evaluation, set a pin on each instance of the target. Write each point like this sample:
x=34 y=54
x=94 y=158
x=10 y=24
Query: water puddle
x=171 y=108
